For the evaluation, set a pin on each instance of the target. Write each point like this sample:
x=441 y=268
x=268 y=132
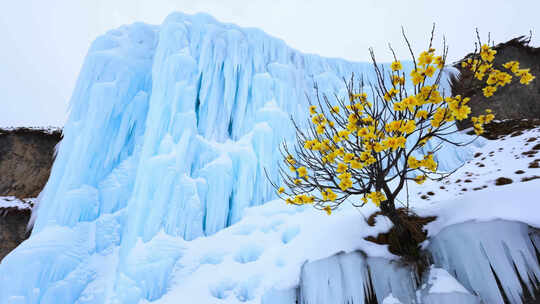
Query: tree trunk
x=403 y=236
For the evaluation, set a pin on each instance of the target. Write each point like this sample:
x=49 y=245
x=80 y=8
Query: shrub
x=371 y=145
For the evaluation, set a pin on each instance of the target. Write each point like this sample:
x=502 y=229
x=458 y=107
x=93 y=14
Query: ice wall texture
x=169 y=133
x=477 y=260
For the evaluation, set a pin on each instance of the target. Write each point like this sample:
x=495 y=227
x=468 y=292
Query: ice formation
x=170 y=131
x=505 y=249
x=477 y=254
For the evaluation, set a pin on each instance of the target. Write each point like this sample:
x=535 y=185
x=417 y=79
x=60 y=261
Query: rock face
x=13 y=231
x=26 y=157
x=514 y=101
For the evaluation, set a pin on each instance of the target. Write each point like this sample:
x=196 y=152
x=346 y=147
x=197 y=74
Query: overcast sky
x=44 y=42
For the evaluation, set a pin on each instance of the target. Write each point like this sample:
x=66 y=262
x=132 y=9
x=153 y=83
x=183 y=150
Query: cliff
x=26 y=157
x=513 y=102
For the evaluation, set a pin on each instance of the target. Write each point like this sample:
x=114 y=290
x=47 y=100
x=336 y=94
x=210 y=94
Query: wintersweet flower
x=328 y=210
x=420 y=179
x=302 y=171
x=342 y=168
x=396 y=66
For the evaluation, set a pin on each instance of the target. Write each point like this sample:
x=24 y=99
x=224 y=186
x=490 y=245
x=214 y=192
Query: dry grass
x=408 y=248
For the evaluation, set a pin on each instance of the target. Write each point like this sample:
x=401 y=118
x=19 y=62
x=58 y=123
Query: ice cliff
x=170 y=130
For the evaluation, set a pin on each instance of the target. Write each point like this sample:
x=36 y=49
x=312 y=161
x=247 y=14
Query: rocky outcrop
x=13 y=228
x=26 y=157
x=515 y=101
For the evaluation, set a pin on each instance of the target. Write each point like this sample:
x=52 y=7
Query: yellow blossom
x=378 y=147
x=353 y=118
x=290 y=159
x=410 y=102
x=390 y=94
x=430 y=70
x=394 y=142
x=328 y=210
x=489 y=90
x=393 y=126
x=413 y=163
x=308 y=144
x=302 y=172
x=361 y=96
x=328 y=195
x=318 y=119
x=408 y=127
x=487 y=53
x=399 y=106
x=345 y=184
x=478 y=129
x=344 y=133
x=512 y=66
x=425 y=58
x=355 y=164
x=429 y=163
x=420 y=179
x=348 y=157
x=364 y=199
x=342 y=168
x=397 y=80
x=376 y=197
x=417 y=76
x=526 y=78
x=439 y=62
x=331 y=157
x=422 y=114
x=396 y=66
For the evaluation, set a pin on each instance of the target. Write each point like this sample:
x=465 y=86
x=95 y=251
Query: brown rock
x=503 y=181
x=13 y=223
x=515 y=101
x=26 y=157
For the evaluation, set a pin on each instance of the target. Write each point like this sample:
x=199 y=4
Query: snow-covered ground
x=511 y=157
x=266 y=250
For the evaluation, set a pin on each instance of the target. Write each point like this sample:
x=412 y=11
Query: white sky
x=43 y=43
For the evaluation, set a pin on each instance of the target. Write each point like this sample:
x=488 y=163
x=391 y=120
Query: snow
x=390 y=299
x=489 y=161
x=158 y=192
x=440 y=281
x=264 y=251
x=7 y=202
x=44 y=129
x=442 y=288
